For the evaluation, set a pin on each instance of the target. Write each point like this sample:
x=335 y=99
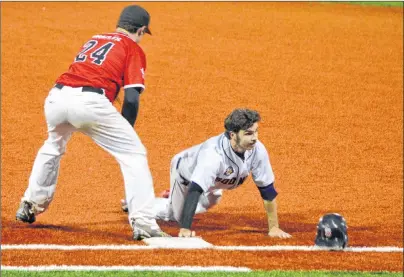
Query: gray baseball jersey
x=214 y=165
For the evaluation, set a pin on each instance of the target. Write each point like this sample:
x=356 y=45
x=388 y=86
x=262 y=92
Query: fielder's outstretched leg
x=45 y=171
x=114 y=134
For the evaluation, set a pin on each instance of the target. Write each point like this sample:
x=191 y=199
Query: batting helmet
x=332 y=232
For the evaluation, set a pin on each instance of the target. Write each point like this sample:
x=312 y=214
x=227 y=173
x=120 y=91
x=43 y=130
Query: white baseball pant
x=171 y=208
x=70 y=109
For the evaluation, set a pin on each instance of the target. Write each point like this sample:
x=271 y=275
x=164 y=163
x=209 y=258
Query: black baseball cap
x=133 y=17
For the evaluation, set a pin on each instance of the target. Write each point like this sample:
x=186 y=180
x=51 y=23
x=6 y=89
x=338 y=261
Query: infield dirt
x=326 y=78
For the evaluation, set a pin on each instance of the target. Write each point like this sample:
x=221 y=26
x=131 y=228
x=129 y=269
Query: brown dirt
x=326 y=78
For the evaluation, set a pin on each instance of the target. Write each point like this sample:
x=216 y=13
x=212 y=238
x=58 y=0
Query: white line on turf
x=124 y=268
x=218 y=248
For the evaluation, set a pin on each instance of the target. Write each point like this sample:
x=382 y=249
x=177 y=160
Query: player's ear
x=141 y=31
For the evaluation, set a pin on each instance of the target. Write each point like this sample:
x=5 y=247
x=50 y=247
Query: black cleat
x=25 y=213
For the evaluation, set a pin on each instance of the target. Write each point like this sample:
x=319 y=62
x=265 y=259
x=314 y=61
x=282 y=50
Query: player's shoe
x=165 y=193
x=143 y=231
x=124 y=206
x=25 y=212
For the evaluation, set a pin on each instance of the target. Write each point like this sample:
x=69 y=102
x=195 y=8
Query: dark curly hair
x=240 y=119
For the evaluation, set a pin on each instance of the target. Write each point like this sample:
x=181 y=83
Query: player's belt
x=90 y=89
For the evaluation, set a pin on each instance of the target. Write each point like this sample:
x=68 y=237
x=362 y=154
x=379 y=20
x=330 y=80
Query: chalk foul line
x=124 y=247
x=125 y=268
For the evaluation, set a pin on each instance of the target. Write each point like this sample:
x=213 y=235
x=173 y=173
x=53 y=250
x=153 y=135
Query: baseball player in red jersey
x=81 y=100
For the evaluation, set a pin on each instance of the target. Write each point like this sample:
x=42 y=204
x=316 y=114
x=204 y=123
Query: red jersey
x=108 y=61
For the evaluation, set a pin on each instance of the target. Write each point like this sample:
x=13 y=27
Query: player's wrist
x=272 y=221
x=272 y=214
x=272 y=228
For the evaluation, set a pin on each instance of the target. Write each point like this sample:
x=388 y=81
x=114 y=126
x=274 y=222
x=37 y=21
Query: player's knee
x=214 y=200
x=53 y=149
x=215 y=197
x=135 y=149
x=210 y=200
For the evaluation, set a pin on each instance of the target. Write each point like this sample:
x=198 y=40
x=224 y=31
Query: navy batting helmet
x=332 y=232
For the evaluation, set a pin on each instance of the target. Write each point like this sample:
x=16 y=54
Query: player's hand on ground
x=276 y=232
x=186 y=233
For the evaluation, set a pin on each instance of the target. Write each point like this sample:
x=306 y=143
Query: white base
x=178 y=243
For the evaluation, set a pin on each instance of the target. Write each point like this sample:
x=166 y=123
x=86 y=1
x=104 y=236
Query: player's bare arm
x=268 y=194
x=273 y=225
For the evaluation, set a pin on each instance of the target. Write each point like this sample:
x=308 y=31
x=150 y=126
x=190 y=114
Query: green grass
x=377 y=3
x=199 y=274
x=372 y=3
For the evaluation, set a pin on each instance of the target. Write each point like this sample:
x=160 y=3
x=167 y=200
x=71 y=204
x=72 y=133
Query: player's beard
x=242 y=148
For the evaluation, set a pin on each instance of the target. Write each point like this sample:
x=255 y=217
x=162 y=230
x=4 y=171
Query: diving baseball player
x=199 y=174
x=81 y=101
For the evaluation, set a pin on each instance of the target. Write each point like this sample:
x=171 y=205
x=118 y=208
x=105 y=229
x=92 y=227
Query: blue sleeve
x=190 y=204
x=268 y=192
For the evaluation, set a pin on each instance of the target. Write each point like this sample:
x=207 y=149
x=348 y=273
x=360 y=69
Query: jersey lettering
x=101 y=53
x=81 y=57
x=231 y=181
x=98 y=56
x=225 y=181
x=242 y=179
